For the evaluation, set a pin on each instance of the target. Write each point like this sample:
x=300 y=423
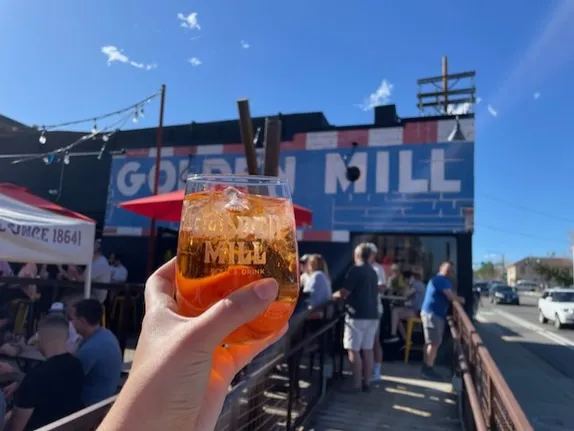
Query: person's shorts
x=360 y=334
x=433 y=328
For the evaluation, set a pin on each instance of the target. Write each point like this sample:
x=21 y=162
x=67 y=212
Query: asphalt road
x=554 y=346
x=536 y=360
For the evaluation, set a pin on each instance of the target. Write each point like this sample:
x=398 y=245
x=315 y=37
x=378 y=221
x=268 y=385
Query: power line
x=510 y=232
x=527 y=209
x=104 y=116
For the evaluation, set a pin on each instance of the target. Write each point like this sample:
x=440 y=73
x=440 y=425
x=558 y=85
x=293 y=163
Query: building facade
x=525 y=269
x=414 y=197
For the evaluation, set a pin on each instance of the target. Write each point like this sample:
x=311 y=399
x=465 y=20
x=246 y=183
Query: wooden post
x=159 y=145
x=272 y=146
x=246 y=128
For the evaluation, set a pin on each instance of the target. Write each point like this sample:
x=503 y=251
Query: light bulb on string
x=48 y=159
x=106 y=138
x=67 y=159
x=42 y=140
x=136 y=114
x=142 y=112
x=95 y=129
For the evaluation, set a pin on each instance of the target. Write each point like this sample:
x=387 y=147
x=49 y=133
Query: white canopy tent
x=31 y=234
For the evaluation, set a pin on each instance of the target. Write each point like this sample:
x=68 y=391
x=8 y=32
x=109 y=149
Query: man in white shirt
x=101 y=272
x=378 y=350
x=119 y=271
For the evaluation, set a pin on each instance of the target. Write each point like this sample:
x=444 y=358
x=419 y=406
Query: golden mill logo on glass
x=236 y=230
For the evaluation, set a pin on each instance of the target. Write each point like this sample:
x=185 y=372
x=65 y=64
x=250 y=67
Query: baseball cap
x=57 y=306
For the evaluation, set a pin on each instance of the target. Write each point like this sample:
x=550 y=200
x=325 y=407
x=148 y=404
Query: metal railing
x=280 y=393
x=487 y=403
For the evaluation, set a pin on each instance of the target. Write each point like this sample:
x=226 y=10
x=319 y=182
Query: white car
x=557 y=305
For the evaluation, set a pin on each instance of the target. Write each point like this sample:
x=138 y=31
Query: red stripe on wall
x=317 y=235
x=347 y=137
x=422 y=132
x=233 y=148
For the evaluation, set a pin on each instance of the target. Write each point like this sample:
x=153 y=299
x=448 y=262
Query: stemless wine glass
x=236 y=229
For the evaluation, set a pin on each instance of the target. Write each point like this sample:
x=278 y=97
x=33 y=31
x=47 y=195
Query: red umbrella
x=23 y=195
x=167 y=207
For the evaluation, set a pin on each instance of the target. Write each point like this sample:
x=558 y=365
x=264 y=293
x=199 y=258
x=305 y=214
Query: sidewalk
x=402 y=401
x=545 y=394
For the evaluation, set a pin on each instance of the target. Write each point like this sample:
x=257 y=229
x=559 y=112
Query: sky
x=70 y=59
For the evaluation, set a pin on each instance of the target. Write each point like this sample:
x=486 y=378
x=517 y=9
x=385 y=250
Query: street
x=536 y=360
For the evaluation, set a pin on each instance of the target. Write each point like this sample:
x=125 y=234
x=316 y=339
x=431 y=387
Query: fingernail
x=266 y=289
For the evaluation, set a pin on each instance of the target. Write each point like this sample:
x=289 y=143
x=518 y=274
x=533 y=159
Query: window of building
x=420 y=253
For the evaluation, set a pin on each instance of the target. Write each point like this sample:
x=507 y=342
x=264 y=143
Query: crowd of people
x=74 y=361
x=82 y=361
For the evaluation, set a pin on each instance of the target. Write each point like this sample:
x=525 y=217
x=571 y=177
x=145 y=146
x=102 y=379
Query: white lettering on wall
x=407 y=184
x=438 y=181
x=286 y=171
x=129 y=179
x=169 y=177
x=383 y=173
x=335 y=173
x=216 y=166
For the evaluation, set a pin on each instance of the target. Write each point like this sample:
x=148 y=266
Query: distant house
x=524 y=269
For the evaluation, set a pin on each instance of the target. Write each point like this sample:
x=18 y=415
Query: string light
x=132 y=112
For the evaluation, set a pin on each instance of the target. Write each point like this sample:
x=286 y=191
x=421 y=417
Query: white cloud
x=460 y=109
x=492 y=111
x=194 y=61
x=115 y=54
x=478 y=100
x=381 y=96
x=244 y=45
x=195 y=38
x=189 y=21
x=536 y=95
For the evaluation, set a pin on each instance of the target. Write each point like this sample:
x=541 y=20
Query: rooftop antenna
x=447 y=94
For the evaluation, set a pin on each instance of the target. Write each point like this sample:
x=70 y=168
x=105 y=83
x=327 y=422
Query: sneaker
x=393 y=339
x=366 y=388
x=376 y=376
x=431 y=374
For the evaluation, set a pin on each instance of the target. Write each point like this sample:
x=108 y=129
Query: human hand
x=5 y=368
x=11 y=389
x=181 y=374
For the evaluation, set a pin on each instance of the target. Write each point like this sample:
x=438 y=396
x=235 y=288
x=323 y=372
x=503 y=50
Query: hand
x=6 y=368
x=180 y=374
x=11 y=389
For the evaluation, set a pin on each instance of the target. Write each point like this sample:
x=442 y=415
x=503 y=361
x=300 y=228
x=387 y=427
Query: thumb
x=240 y=307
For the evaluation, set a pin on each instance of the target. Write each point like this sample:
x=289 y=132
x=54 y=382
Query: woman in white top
x=318 y=285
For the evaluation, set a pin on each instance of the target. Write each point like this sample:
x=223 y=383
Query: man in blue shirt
x=438 y=294
x=99 y=353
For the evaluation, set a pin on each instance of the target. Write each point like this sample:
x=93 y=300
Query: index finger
x=160 y=286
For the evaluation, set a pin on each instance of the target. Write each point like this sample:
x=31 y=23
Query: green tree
x=486 y=271
x=559 y=276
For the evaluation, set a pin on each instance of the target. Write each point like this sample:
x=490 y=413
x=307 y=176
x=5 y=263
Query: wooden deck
x=401 y=401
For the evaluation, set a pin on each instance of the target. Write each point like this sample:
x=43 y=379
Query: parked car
x=526 y=286
x=557 y=305
x=481 y=287
x=503 y=294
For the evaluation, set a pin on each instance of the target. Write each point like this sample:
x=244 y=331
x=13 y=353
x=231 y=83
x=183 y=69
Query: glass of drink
x=236 y=229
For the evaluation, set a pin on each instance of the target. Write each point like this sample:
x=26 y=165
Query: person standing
x=382 y=285
x=433 y=314
x=360 y=293
x=101 y=272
